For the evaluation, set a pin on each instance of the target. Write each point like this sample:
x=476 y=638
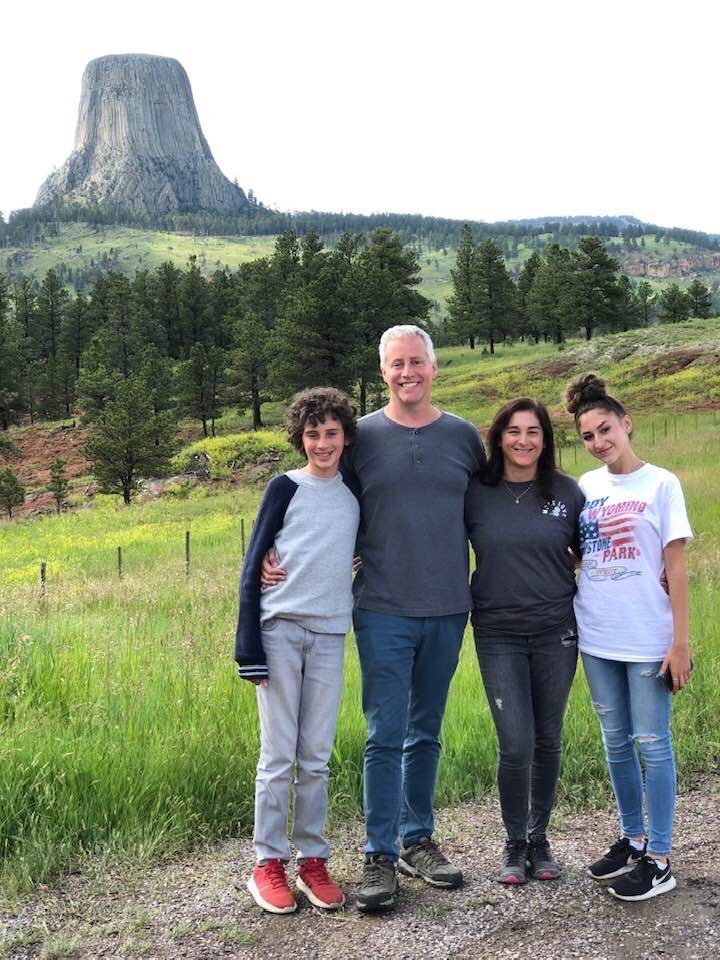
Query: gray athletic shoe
x=514 y=865
x=379 y=886
x=541 y=862
x=424 y=859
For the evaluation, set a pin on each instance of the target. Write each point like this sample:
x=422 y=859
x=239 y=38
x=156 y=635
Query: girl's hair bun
x=585 y=390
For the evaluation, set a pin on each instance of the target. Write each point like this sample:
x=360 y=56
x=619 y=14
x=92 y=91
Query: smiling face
x=408 y=372
x=607 y=438
x=521 y=443
x=323 y=445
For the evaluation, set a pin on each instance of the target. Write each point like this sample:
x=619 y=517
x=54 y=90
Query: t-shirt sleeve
x=674 y=523
x=479 y=450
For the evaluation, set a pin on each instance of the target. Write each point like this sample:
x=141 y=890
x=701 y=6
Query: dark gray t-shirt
x=412 y=539
x=524 y=579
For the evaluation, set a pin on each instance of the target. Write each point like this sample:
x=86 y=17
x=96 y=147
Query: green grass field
x=124 y=731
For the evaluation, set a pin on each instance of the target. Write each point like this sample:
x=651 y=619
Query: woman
x=633 y=636
x=522 y=516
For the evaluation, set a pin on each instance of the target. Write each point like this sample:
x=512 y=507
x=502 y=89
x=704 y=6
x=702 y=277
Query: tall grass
x=125 y=731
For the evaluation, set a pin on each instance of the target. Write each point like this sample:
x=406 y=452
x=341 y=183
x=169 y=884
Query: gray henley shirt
x=412 y=538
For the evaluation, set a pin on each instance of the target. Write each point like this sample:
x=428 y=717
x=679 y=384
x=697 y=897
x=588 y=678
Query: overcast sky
x=486 y=111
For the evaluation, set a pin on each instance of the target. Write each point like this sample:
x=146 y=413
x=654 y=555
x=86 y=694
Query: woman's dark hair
x=587 y=392
x=313 y=406
x=546 y=468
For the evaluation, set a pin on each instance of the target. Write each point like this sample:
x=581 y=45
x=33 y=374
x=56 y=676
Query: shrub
x=233 y=451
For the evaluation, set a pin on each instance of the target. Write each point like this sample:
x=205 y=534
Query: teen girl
x=632 y=634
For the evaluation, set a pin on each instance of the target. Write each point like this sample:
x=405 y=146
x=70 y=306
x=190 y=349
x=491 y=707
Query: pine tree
x=495 y=294
x=194 y=299
x=165 y=286
x=313 y=342
x=593 y=291
x=200 y=383
x=248 y=364
x=700 y=299
x=463 y=322
x=628 y=307
x=128 y=441
x=59 y=484
x=646 y=301
x=12 y=492
x=675 y=304
x=12 y=365
x=549 y=300
x=51 y=303
x=526 y=326
x=25 y=306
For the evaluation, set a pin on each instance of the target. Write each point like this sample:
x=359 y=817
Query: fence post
x=187 y=553
x=119 y=555
x=242 y=536
x=43 y=577
x=653 y=433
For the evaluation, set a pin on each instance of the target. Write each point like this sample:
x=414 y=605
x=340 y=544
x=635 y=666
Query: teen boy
x=290 y=642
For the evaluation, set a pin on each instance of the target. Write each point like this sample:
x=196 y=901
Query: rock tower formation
x=138 y=143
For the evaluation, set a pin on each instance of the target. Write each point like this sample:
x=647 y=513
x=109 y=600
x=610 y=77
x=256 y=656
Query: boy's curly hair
x=313 y=406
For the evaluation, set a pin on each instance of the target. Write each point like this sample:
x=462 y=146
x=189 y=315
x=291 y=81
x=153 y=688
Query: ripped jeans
x=527 y=681
x=633 y=707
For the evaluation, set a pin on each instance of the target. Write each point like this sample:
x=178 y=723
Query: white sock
x=661 y=864
x=636 y=844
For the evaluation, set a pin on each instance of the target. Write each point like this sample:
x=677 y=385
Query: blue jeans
x=527 y=681
x=407 y=664
x=633 y=707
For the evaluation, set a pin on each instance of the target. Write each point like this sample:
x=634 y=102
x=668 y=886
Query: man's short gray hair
x=401 y=331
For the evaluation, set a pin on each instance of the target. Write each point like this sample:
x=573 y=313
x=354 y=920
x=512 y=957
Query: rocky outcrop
x=138 y=143
x=691 y=264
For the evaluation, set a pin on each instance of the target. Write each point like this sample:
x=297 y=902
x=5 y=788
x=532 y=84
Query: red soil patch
x=37 y=447
x=666 y=364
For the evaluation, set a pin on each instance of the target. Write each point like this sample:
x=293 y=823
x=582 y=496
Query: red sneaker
x=269 y=887
x=317 y=886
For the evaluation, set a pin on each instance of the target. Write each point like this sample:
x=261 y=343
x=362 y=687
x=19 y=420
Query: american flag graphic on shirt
x=617 y=530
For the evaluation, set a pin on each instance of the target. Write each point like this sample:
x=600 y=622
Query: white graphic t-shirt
x=622 y=610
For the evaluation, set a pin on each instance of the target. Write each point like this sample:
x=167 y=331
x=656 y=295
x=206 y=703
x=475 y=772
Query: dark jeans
x=527 y=681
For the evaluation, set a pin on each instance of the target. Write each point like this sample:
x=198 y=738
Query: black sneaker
x=379 y=887
x=646 y=880
x=621 y=857
x=514 y=865
x=424 y=859
x=540 y=860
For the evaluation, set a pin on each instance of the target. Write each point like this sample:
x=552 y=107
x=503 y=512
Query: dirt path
x=198 y=907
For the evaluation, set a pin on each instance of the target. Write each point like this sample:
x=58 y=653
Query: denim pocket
x=269 y=625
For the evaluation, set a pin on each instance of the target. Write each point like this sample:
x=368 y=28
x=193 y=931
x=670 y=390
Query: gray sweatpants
x=298 y=713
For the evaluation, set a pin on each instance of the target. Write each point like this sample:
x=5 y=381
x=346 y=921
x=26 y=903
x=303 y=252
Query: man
x=412 y=464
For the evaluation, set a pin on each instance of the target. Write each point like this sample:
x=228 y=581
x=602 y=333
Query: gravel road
x=198 y=907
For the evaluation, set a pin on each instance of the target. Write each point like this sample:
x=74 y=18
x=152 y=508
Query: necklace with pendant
x=518 y=497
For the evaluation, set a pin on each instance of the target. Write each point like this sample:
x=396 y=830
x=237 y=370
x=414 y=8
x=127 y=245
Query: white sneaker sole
x=316 y=901
x=252 y=887
x=665 y=887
